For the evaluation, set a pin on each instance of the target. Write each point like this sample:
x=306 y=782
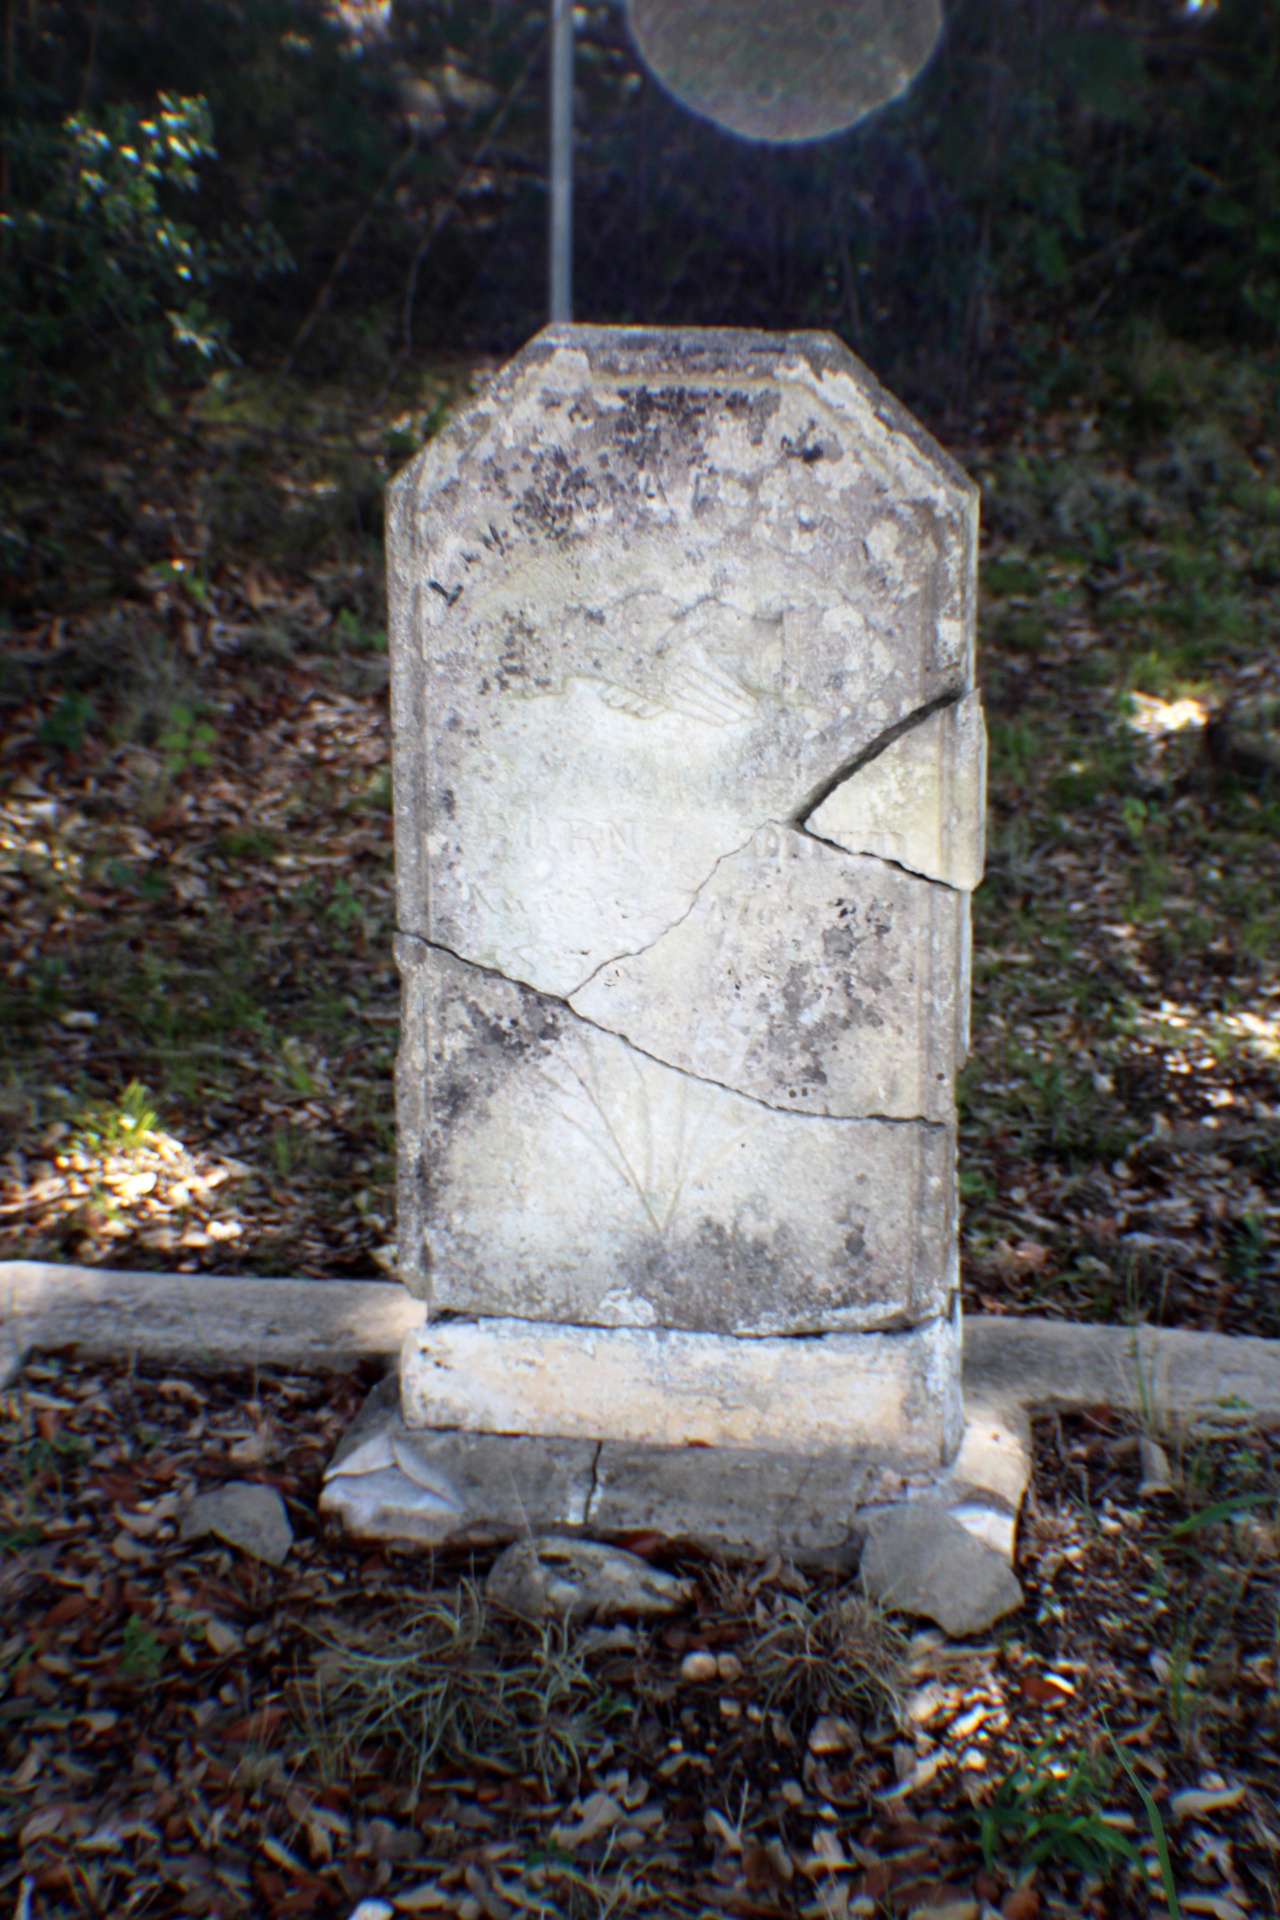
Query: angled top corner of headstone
x=654 y=589
x=708 y=365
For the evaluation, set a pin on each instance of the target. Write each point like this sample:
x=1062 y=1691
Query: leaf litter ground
x=199 y=1023
x=175 y=1735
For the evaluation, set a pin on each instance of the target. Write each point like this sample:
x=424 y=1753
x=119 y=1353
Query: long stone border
x=1035 y=1366
x=940 y=1543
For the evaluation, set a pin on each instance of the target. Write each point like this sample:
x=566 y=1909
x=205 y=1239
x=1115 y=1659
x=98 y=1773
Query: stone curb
x=197 y=1319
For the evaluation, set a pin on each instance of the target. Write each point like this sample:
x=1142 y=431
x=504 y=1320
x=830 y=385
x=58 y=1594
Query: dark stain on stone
x=476 y=1046
x=757 y=408
x=805 y=1023
x=653 y=422
x=808 y=448
x=715 y=1278
x=559 y=491
x=521 y=653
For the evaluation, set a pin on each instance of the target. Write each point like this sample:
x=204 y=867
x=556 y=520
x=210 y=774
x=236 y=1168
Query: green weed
x=186 y=742
x=344 y=906
x=351 y=631
x=141 y=1653
x=252 y=843
x=1045 y=1810
x=117 y=1126
x=67 y=725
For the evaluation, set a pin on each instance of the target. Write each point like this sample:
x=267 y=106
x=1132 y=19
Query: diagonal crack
x=796 y=821
x=686 y=1073
x=866 y=754
x=633 y=953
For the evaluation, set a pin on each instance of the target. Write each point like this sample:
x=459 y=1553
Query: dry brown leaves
x=161 y=1750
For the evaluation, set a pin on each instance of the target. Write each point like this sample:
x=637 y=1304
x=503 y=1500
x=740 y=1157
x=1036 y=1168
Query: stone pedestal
x=689 y=774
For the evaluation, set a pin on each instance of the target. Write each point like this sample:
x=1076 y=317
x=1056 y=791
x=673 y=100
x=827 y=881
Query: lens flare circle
x=785 y=70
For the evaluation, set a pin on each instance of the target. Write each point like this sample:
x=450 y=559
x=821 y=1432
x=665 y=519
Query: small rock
x=1193 y=1803
x=373 y=1910
x=1156 y=1476
x=917 y=1559
x=699 y=1666
x=831 y=1734
x=729 y=1667
x=599 y=1812
x=780 y=1860
x=427 y=1898
x=556 y=1578
x=221 y=1636
x=245 y=1515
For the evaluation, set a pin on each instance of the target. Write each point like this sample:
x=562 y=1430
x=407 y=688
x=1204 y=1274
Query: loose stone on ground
x=918 y=1559
x=245 y=1514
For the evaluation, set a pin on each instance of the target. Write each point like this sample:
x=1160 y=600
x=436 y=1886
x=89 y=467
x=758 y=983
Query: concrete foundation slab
x=886 y=1397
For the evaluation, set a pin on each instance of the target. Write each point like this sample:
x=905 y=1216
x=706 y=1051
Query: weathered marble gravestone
x=689 y=776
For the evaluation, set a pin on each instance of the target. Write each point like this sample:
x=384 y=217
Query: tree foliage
x=1057 y=168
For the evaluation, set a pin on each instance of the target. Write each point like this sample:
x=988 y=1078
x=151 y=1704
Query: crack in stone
x=594 y=1488
x=901 y=1329
x=912 y=873
x=633 y=953
x=704 y=1080
x=797 y=823
x=865 y=756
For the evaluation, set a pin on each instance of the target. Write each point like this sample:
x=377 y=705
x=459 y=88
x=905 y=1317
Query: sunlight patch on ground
x=1203 y=1039
x=110 y=1173
x=37 y=837
x=1156 y=719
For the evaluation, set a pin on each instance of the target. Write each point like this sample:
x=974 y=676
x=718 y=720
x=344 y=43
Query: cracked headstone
x=689 y=775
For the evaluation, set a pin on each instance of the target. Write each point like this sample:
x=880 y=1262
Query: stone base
x=884 y=1399
x=445 y=1487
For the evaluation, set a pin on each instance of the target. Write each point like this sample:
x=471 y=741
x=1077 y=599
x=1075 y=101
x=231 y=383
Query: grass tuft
x=462 y=1686
x=837 y=1653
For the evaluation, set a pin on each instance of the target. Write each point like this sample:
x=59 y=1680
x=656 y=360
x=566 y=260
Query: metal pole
x=560 y=276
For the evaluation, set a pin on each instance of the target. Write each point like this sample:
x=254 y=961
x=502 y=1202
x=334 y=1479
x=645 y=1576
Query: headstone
x=689 y=773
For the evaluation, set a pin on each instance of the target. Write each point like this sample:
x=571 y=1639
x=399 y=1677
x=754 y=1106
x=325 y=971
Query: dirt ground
x=185 y=1729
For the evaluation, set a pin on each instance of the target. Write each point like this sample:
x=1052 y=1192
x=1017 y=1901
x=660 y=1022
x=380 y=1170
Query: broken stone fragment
x=823 y=982
x=921 y=801
x=738 y=1498
x=1156 y=1473
x=831 y=1733
x=551 y=1171
x=386 y=1482
x=722 y=1498
x=245 y=1515
x=918 y=1559
x=548 y=1578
